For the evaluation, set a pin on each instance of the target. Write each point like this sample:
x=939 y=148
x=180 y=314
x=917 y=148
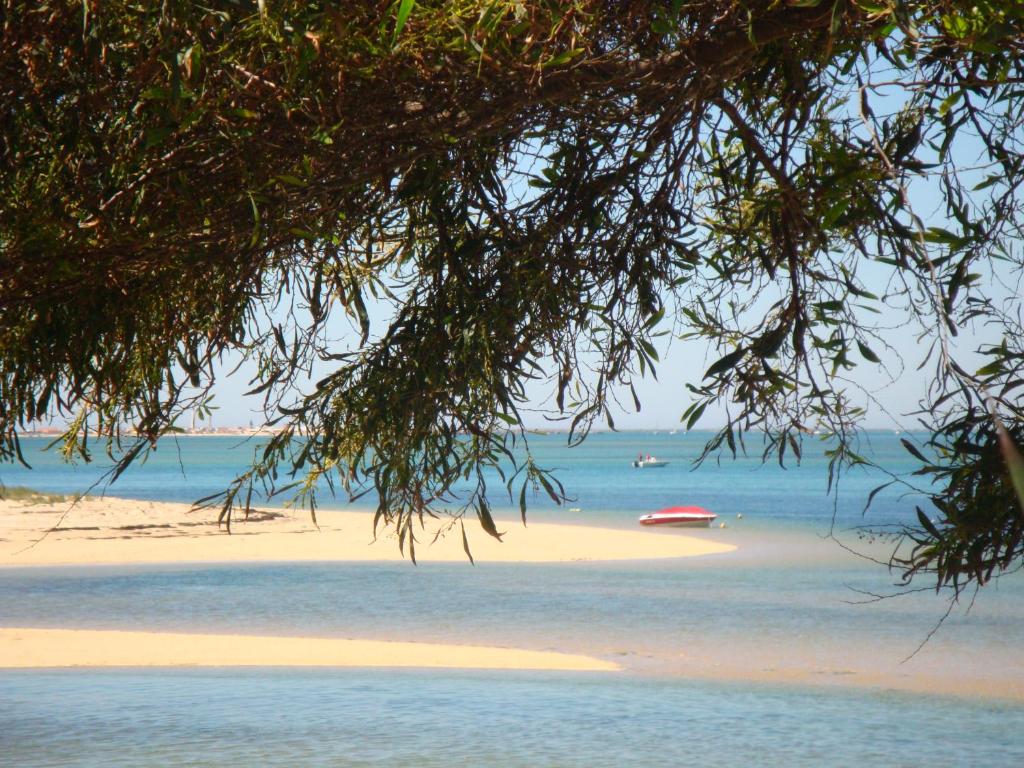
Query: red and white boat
x=676 y=517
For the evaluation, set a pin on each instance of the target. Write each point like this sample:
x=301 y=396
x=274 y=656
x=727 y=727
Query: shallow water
x=656 y=619
x=370 y=718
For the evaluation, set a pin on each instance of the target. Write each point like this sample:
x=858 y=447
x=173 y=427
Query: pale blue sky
x=888 y=393
x=682 y=362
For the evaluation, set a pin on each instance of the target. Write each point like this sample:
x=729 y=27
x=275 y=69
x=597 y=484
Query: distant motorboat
x=678 y=517
x=650 y=461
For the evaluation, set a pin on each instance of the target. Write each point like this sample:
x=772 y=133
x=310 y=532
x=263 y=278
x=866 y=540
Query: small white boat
x=677 y=517
x=650 y=461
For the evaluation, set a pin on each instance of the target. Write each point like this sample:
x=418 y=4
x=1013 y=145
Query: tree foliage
x=534 y=190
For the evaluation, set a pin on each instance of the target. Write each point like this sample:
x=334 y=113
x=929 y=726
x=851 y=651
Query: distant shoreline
x=54 y=432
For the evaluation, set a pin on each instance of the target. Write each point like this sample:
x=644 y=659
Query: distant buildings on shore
x=51 y=431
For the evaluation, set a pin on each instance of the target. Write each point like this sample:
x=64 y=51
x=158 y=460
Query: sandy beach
x=114 y=531
x=24 y=647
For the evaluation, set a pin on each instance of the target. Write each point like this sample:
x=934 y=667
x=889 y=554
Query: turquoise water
x=597 y=475
x=786 y=599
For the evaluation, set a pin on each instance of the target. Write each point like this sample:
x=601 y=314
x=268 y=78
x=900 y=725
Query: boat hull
x=678 y=517
x=694 y=522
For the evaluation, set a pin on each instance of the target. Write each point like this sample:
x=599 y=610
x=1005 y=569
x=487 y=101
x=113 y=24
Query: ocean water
x=597 y=476
x=789 y=598
x=364 y=718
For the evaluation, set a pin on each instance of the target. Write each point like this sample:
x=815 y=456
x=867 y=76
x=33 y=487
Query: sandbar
x=115 y=531
x=27 y=647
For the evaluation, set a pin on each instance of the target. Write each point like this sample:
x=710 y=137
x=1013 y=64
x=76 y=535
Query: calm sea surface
x=788 y=598
x=597 y=474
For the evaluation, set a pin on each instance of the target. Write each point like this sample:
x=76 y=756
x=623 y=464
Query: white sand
x=22 y=647
x=122 y=531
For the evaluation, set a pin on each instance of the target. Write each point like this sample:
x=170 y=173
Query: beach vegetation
x=509 y=202
x=29 y=495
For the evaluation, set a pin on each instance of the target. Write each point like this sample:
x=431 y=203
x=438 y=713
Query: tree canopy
x=535 y=189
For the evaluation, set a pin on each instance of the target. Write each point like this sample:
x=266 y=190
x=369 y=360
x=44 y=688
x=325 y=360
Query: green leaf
x=949 y=102
x=695 y=411
x=155 y=93
x=991 y=369
x=156 y=136
x=875 y=492
x=647 y=347
x=928 y=524
x=483 y=512
x=725 y=363
x=835 y=211
x=404 y=9
x=943 y=237
x=988 y=181
x=465 y=543
x=562 y=58
x=256 y=222
x=956 y=26
x=1014 y=462
x=549 y=489
x=661 y=27
x=912 y=449
x=656 y=318
x=867 y=352
x=837 y=16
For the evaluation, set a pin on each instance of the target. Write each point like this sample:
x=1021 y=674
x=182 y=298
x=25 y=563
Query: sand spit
x=22 y=647
x=100 y=531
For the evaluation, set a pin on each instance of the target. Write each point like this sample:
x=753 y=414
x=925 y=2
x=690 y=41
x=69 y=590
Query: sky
x=893 y=395
x=890 y=393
